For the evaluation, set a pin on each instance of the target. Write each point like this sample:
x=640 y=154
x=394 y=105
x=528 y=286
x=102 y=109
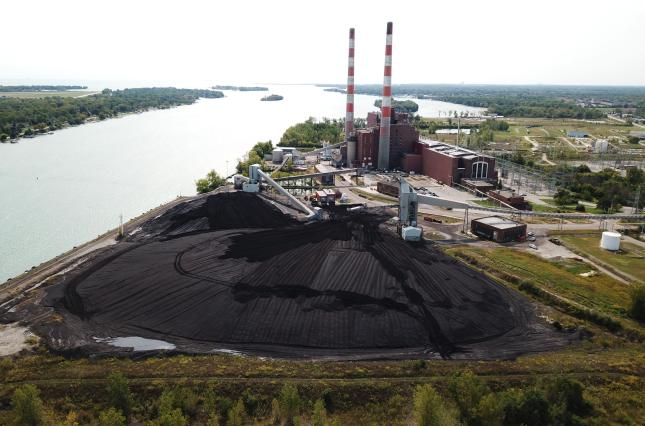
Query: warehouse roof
x=498 y=222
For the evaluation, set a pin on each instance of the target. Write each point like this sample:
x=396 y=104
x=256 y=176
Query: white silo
x=610 y=241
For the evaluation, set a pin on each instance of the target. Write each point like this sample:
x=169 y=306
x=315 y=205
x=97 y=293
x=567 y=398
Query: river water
x=64 y=189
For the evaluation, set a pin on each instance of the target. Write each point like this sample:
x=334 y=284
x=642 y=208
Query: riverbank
x=26 y=117
x=14 y=289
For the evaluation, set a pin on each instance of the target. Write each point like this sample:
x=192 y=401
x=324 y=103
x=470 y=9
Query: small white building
x=601 y=145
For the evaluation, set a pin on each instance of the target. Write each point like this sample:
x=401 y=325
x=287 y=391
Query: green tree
x=236 y=415
x=566 y=400
x=289 y=403
x=212 y=181
x=118 y=393
x=319 y=415
x=637 y=308
x=111 y=417
x=172 y=418
x=262 y=148
x=27 y=406
x=429 y=409
x=467 y=390
x=490 y=411
x=528 y=408
x=276 y=418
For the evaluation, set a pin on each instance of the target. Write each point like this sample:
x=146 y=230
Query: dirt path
x=533 y=142
x=355 y=380
x=546 y=160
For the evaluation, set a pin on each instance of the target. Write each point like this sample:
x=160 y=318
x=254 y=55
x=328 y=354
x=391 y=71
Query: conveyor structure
x=409 y=201
x=254 y=184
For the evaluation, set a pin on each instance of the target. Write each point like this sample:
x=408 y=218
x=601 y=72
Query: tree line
x=468 y=400
x=311 y=133
x=24 y=117
x=40 y=88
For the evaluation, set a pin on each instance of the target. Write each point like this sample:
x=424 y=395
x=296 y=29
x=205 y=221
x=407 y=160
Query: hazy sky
x=507 y=42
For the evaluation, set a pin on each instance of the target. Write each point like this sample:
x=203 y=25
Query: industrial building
x=449 y=164
x=499 y=229
x=510 y=198
x=403 y=136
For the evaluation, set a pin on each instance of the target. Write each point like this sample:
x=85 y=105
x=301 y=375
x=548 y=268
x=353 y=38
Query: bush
x=319 y=416
x=172 y=418
x=236 y=415
x=467 y=390
x=27 y=405
x=118 y=393
x=637 y=309
x=251 y=402
x=211 y=182
x=276 y=418
x=111 y=417
x=567 y=400
x=289 y=403
x=525 y=408
x=580 y=207
x=429 y=409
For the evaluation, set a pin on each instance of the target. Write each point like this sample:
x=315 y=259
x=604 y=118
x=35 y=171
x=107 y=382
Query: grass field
x=601 y=292
x=66 y=94
x=630 y=260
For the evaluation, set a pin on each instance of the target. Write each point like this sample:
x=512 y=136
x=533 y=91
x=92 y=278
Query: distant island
x=27 y=117
x=272 y=98
x=40 y=88
x=242 y=88
x=335 y=90
x=401 y=106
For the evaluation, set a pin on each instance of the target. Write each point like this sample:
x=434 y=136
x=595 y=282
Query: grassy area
x=356 y=392
x=437 y=217
x=630 y=260
x=65 y=94
x=374 y=197
x=600 y=293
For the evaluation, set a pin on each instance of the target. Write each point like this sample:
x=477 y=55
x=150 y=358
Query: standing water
x=61 y=190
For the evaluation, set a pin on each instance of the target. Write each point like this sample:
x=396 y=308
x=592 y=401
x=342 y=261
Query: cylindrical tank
x=610 y=241
x=277 y=155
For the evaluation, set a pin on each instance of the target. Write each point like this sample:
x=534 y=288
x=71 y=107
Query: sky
x=582 y=42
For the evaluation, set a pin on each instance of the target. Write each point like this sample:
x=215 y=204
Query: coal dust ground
x=232 y=272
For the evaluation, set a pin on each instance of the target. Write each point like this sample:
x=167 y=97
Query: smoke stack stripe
x=349 y=112
x=386 y=105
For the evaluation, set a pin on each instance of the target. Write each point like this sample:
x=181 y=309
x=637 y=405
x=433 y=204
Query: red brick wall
x=438 y=166
x=411 y=163
x=367 y=147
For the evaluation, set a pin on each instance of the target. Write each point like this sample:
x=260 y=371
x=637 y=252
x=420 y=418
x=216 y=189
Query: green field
x=601 y=292
x=630 y=260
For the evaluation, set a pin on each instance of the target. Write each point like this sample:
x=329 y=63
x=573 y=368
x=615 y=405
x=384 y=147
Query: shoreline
x=17 y=286
x=90 y=120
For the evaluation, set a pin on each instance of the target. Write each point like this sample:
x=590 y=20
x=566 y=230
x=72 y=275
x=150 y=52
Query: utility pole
x=638 y=199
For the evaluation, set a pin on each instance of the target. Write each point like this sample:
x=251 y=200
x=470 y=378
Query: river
x=64 y=189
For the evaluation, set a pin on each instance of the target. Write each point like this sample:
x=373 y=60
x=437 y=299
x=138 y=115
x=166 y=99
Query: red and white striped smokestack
x=386 y=105
x=349 y=112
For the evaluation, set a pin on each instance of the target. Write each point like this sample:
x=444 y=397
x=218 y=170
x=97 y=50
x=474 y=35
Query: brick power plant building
x=391 y=142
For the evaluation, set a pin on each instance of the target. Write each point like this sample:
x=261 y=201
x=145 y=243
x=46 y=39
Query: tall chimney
x=386 y=105
x=349 y=112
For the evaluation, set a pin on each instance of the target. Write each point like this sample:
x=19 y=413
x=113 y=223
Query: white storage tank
x=277 y=155
x=610 y=241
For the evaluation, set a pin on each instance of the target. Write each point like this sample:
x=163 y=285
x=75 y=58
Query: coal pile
x=227 y=210
x=345 y=286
